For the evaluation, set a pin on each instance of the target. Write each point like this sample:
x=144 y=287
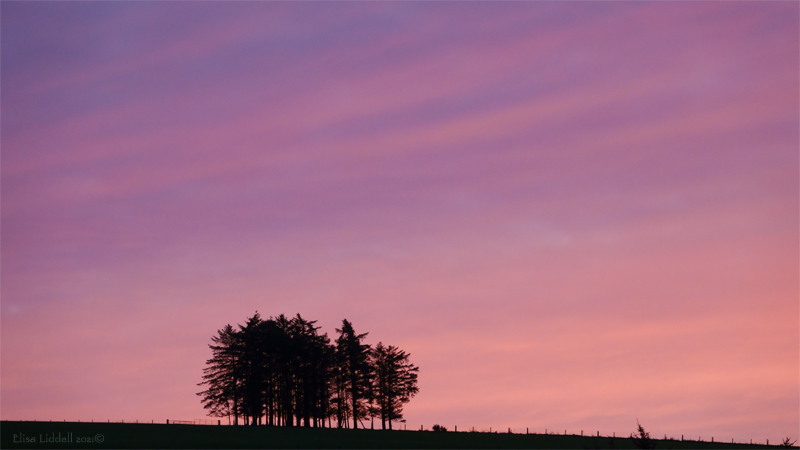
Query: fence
x=596 y=434
x=195 y=422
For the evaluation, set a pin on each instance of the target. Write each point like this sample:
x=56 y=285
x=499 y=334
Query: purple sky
x=572 y=215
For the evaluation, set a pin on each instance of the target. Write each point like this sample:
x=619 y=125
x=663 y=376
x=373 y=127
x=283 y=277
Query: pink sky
x=572 y=215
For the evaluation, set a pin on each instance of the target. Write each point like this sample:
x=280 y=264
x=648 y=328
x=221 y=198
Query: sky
x=571 y=215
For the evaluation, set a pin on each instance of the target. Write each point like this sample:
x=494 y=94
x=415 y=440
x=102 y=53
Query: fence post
x=219 y=421
x=456 y=428
x=167 y=421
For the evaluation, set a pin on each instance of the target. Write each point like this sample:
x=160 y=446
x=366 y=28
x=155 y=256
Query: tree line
x=282 y=372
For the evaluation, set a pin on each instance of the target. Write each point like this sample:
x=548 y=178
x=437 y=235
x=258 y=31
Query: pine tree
x=273 y=343
x=353 y=358
x=395 y=382
x=252 y=364
x=311 y=367
x=222 y=375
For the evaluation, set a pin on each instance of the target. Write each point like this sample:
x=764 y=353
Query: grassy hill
x=131 y=435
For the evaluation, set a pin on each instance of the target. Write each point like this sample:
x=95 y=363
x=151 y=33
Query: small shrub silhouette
x=788 y=442
x=641 y=438
x=438 y=427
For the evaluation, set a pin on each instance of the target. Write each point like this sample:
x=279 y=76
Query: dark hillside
x=131 y=435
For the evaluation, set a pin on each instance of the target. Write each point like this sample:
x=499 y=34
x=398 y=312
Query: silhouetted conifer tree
x=311 y=366
x=222 y=375
x=252 y=363
x=395 y=382
x=273 y=343
x=641 y=438
x=353 y=358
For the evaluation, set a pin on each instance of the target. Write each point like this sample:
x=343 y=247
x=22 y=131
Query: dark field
x=132 y=435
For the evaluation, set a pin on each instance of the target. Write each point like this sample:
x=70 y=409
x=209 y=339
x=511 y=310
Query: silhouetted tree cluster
x=282 y=372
